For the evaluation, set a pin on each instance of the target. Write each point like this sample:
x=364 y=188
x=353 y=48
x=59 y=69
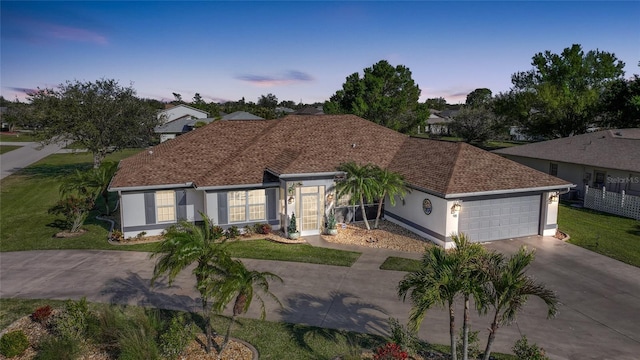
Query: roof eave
x=151 y=187
x=242 y=186
x=509 y=191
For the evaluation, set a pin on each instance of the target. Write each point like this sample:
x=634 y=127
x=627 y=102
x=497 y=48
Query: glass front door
x=310 y=211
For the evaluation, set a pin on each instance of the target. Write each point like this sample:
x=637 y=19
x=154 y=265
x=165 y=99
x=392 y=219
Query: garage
x=503 y=218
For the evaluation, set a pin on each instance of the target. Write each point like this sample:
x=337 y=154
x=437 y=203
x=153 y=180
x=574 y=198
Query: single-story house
x=241 y=115
x=263 y=171
x=607 y=158
x=437 y=124
x=172 y=112
x=179 y=126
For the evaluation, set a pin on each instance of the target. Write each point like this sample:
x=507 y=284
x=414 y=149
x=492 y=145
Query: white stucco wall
x=165 y=137
x=551 y=214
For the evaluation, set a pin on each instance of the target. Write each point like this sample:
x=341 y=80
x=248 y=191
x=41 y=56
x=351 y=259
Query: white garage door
x=486 y=220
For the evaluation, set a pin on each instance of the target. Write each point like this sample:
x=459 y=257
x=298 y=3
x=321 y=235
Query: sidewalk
x=29 y=153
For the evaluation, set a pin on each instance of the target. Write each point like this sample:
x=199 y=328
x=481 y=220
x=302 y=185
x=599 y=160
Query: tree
x=621 y=103
x=91 y=183
x=360 y=184
x=239 y=284
x=436 y=103
x=177 y=98
x=269 y=101
x=102 y=116
x=197 y=99
x=185 y=244
x=388 y=183
x=474 y=125
x=508 y=288
x=566 y=89
x=479 y=97
x=385 y=94
x=435 y=283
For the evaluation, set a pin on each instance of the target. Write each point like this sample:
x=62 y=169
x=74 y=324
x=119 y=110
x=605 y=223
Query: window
x=165 y=206
x=553 y=169
x=247 y=205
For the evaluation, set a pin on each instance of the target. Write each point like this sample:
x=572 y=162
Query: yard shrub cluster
x=263 y=228
x=390 y=351
x=42 y=314
x=525 y=351
x=232 y=233
x=13 y=343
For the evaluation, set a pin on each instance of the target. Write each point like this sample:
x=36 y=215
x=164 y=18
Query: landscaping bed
x=387 y=236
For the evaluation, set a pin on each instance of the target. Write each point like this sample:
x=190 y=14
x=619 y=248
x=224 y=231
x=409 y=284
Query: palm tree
x=185 y=244
x=509 y=288
x=437 y=282
x=91 y=183
x=359 y=183
x=389 y=183
x=238 y=284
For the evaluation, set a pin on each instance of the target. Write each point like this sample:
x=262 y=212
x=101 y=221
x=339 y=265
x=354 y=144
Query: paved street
x=598 y=318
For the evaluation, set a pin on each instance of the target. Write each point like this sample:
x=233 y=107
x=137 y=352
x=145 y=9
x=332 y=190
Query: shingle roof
x=612 y=149
x=180 y=125
x=227 y=153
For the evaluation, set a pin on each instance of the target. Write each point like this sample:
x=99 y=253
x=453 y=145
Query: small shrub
x=56 y=348
x=176 y=337
x=390 y=351
x=232 y=233
x=263 y=228
x=525 y=351
x=217 y=232
x=247 y=230
x=72 y=322
x=74 y=209
x=105 y=327
x=13 y=343
x=473 y=345
x=140 y=235
x=293 y=227
x=116 y=235
x=137 y=338
x=402 y=336
x=42 y=314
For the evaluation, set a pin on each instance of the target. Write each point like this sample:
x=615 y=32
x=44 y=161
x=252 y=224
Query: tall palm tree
x=238 y=284
x=183 y=245
x=389 y=183
x=360 y=183
x=509 y=288
x=437 y=282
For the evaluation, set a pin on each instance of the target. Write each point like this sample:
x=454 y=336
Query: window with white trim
x=247 y=205
x=165 y=206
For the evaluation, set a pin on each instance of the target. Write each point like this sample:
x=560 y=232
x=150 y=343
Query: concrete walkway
x=598 y=318
x=27 y=154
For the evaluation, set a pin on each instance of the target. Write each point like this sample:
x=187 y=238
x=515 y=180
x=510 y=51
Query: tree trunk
x=364 y=214
x=452 y=331
x=98 y=156
x=228 y=334
x=208 y=330
x=492 y=336
x=105 y=196
x=465 y=329
x=375 y=226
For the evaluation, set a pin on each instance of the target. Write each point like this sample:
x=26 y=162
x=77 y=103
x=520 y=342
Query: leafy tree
x=566 y=89
x=474 y=125
x=177 y=98
x=436 y=103
x=75 y=210
x=621 y=103
x=92 y=183
x=388 y=183
x=239 y=284
x=360 y=184
x=269 y=101
x=197 y=99
x=508 y=288
x=15 y=113
x=479 y=97
x=385 y=94
x=102 y=116
x=185 y=244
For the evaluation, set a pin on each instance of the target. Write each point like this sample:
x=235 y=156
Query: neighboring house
x=263 y=171
x=437 y=124
x=608 y=158
x=175 y=112
x=3 y=125
x=179 y=126
x=241 y=115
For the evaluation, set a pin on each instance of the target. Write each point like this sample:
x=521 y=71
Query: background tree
x=177 y=98
x=102 y=116
x=436 y=103
x=621 y=103
x=197 y=99
x=566 y=89
x=269 y=101
x=474 y=125
x=479 y=97
x=385 y=94
x=359 y=183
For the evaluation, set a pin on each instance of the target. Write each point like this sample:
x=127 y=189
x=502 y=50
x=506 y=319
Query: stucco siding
x=410 y=215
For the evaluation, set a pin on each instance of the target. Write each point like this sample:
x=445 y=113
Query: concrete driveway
x=599 y=318
x=27 y=154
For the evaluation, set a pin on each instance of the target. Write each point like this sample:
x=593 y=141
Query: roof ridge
x=455 y=166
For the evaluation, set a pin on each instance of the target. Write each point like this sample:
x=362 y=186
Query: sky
x=297 y=50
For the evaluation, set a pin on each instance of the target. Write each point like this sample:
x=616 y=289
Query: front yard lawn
x=400 y=264
x=268 y=250
x=7 y=148
x=16 y=137
x=606 y=234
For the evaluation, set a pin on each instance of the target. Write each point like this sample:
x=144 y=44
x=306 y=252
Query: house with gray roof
x=179 y=126
x=245 y=172
x=173 y=112
x=241 y=115
x=607 y=158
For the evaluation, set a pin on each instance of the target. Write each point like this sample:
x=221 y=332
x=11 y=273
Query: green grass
x=19 y=137
x=269 y=250
x=273 y=340
x=7 y=148
x=400 y=264
x=606 y=234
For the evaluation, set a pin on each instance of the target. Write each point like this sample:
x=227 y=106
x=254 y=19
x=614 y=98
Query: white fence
x=612 y=202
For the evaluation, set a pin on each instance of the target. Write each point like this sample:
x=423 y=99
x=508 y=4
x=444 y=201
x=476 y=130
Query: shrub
x=402 y=336
x=105 y=327
x=116 y=235
x=293 y=226
x=13 y=343
x=263 y=228
x=141 y=234
x=390 y=351
x=72 y=322
x=473 y=346
x=247 y=230
x=42 y=314
x=56 y=348
x=232 y=232
x=525 y=351
x=176 y=337
x=74 y=209
x=217 y=232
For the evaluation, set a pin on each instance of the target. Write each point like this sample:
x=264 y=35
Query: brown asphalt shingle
x=227 y=153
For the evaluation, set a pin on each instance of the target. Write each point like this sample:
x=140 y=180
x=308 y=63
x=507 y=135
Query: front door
x=310 y=212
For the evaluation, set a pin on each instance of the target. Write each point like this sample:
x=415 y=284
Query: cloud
x=39 y=31
x=21 y=90
x=289 y=78
x=76 y=34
